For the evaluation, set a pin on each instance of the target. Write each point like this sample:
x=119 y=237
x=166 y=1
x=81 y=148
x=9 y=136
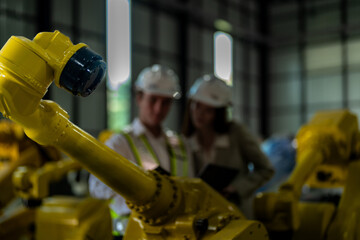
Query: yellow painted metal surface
x=315 y=218
x=198 y=203
x=18 y=224
x=346 y=224
x=33 y=183
x=17 y=150
x=69 y=218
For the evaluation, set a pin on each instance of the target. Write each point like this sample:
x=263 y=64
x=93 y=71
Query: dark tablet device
x=162 y=171
x=217 y=176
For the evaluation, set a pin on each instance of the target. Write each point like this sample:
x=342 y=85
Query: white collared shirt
x=221 y=141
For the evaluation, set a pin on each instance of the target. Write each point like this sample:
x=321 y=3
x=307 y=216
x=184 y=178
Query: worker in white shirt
x=145 y=142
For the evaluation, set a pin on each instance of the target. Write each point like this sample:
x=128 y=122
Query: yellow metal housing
x=69 y=218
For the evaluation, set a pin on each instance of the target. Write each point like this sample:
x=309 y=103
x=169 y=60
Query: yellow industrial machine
x=16 y=149
x=163 y=207
x=61 y=217
x=26 y=171
x=328 y=151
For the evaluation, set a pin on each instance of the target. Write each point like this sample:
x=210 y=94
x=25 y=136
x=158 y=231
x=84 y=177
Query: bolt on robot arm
x=163 y=207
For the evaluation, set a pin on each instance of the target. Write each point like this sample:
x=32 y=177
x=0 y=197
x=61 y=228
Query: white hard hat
x=212 y=91
x=159 y=80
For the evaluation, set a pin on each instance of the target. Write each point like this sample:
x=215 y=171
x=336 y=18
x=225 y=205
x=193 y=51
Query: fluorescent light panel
x=223 y=62
x=118 y=42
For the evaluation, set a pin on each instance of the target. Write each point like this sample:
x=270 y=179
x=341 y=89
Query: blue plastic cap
x=83 y=72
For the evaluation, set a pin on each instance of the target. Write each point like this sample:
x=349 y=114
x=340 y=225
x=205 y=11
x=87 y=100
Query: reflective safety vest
x=142 y=149
x=119 y=223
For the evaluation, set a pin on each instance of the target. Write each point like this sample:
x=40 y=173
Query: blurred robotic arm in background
x=326 y=148
x=16 y=150
x=27 y=171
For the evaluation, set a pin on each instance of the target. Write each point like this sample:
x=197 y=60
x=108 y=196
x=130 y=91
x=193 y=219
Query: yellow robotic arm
x=163 y=207
x=325 y=146
x=331 y=138
x=18 y=150
x=26 y=169
x=6 y=173
x=33 y=183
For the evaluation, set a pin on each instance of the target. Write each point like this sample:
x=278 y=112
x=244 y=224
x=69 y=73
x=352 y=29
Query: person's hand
x=228 y=190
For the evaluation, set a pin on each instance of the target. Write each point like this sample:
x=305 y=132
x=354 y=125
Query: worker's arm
x=251 y=153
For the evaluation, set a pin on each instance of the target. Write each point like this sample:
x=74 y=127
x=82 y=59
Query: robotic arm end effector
x=51 y=55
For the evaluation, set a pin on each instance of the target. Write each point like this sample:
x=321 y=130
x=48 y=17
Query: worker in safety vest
x=145 y=141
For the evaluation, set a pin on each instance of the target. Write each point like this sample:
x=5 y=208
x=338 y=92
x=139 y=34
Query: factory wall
x=314 y=60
